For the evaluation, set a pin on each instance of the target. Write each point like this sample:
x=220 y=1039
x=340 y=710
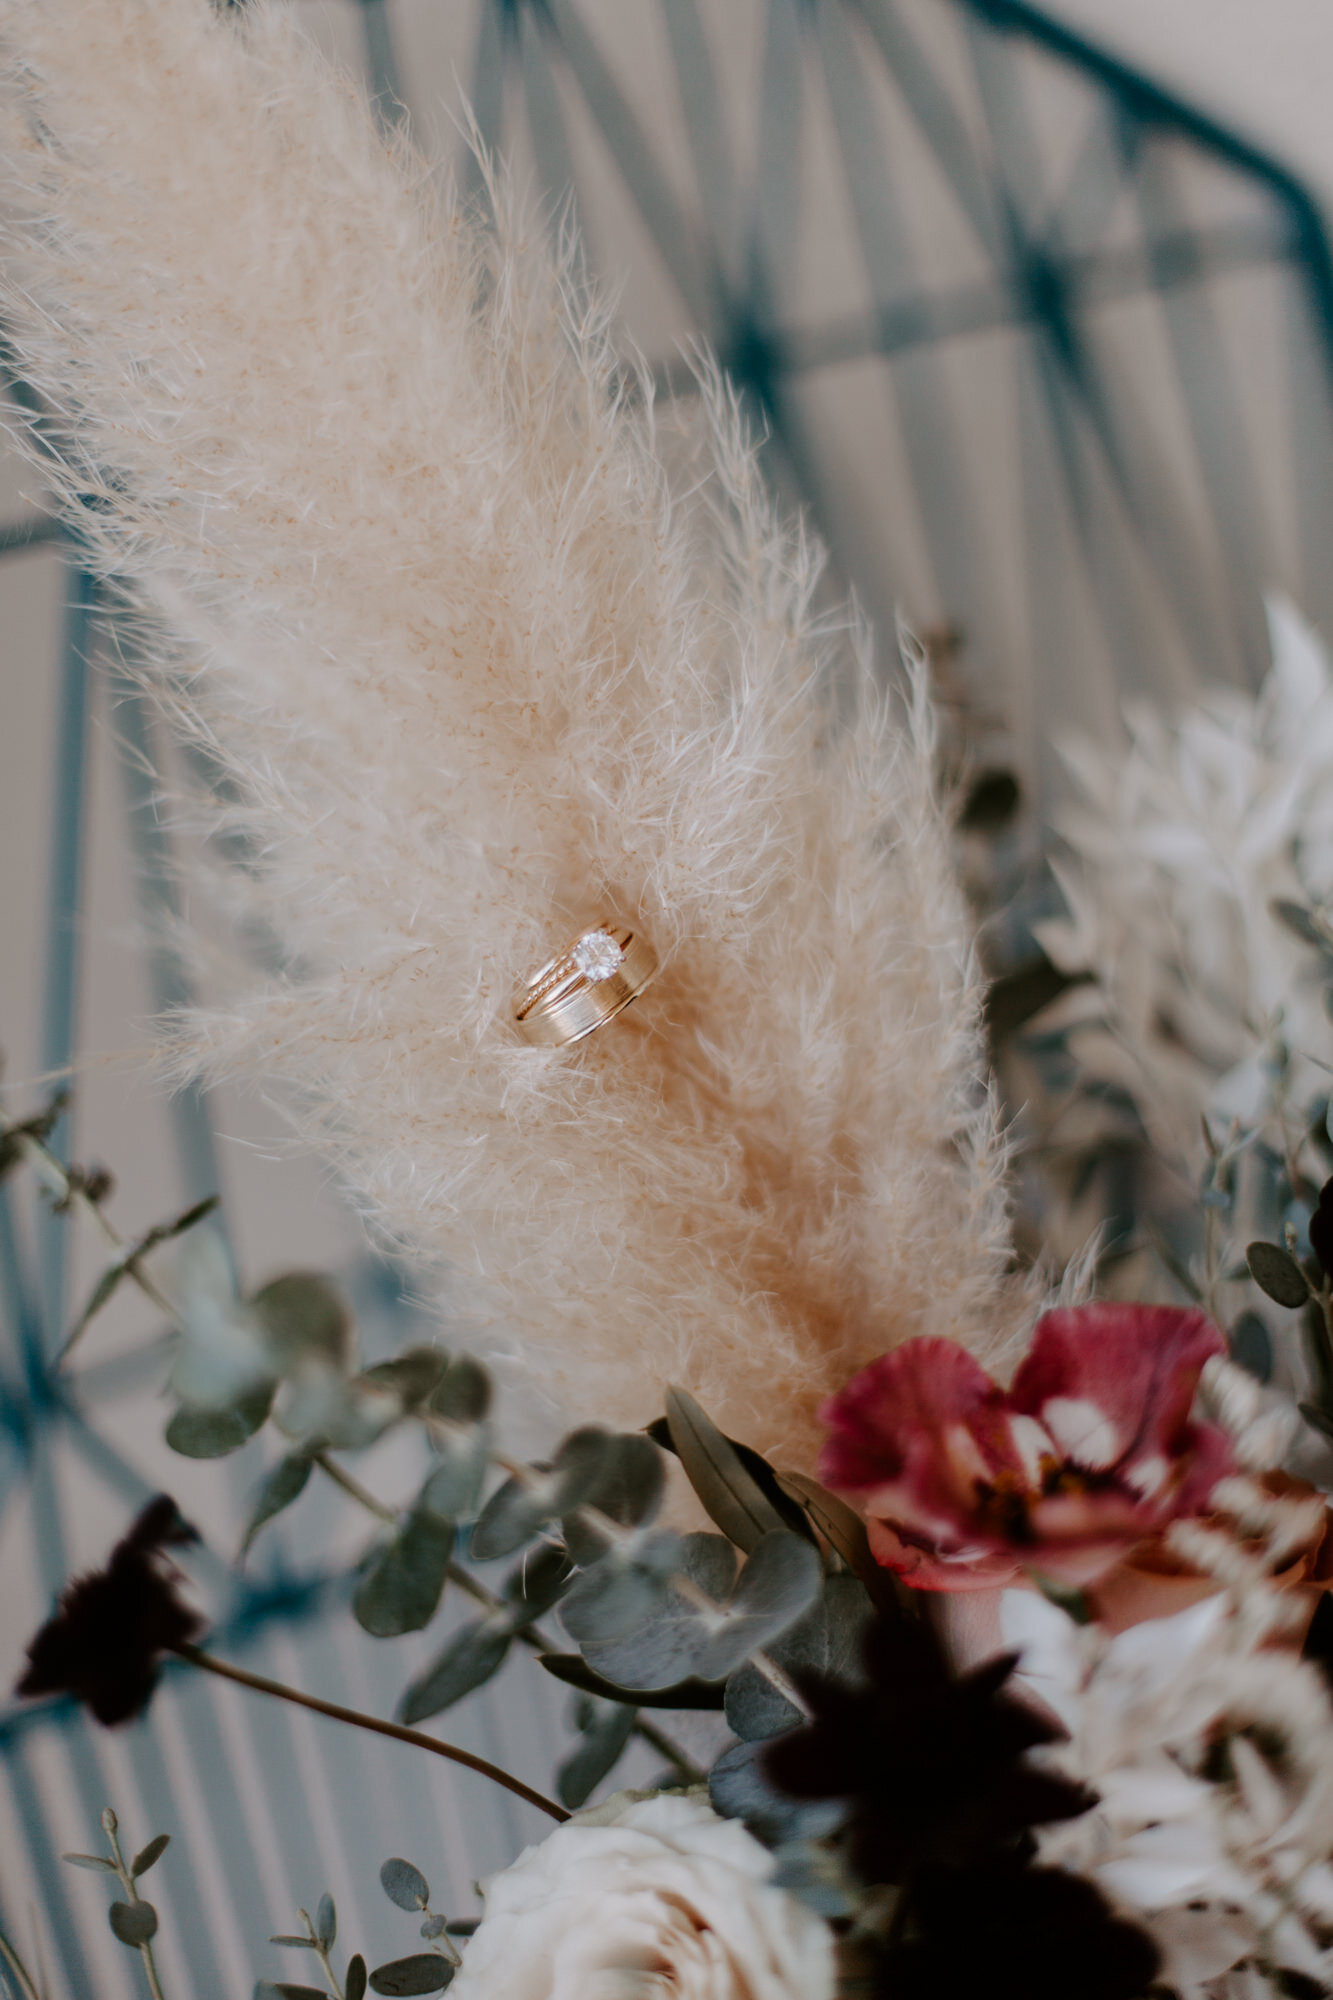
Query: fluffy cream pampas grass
x=415 y=577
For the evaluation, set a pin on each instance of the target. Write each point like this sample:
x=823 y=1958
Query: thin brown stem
x=416 y=1737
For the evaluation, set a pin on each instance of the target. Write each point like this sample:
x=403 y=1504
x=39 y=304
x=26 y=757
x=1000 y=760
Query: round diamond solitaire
x=597 y=955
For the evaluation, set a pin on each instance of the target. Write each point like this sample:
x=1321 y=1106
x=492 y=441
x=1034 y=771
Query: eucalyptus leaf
x=778 y=1584
x=536 y=1584
x=403 y=1581
x=434 y=1927
x=473 y=1654
x=285 y=1483
x=304 y=1316
x=133 y=1923
x=826 y=1640
x=668 y=1648
x=89 y=1861
x=463 y=1393
x=404 y=1884
x=290 y=1937
x=454 y=1487
x=1276 y=1272
x=147 y=1856
x=574 y=1670
x=623 y=1590
x=730 y=1495
x=628 y=1490
x=423 y=1972
x=605 y=1729
x=412 y=1375
x=354 y=1985
x=200 y=1433
x=738 y=1789
x=514 y=1515
x=282 y=1989
x=326 y=1923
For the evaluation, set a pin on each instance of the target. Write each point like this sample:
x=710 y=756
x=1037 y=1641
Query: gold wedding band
x=585 y=985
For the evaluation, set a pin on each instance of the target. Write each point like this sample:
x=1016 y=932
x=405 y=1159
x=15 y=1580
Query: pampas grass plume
x=406 y=564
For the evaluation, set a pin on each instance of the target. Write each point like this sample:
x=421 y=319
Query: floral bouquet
x=586 y=894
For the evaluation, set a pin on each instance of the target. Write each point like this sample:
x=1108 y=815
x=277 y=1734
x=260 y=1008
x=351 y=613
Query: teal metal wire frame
x=1051 y=271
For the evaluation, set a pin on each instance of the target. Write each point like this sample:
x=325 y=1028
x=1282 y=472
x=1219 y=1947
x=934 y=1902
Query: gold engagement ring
x=585 y=985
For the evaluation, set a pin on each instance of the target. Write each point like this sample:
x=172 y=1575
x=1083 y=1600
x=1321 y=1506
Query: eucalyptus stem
x=109 y=1825
x=69 y=1189
x=322 y=1954
x=18 y=1970
x=530 y=1636
x=416 y=1737
x=354 y=1489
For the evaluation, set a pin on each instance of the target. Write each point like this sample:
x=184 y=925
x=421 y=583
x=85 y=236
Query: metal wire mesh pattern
x=1048 y=357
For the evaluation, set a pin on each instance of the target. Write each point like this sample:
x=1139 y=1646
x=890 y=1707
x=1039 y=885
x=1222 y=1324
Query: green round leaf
x=1276 y=1272
x=354 y=1986
x=454 y=1487
x=411 y=1375
x=198 y=1433
x=463 y=1394
x=424 y=1972
x=304 y=1316
x=622 y=1591
x=133 y=1923
x=404 y=1885
x=326 y=1922
x=434 y=1927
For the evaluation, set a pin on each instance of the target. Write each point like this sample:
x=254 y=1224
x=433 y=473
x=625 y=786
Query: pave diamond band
x=586 y=984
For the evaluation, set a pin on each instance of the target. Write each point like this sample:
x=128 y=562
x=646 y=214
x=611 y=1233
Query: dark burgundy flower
x=110 y=1630
x=932 y=1764
x=963 y=1483
x=1015 y=1933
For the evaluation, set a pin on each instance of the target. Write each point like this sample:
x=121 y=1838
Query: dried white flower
x=1213 y=1762
x=643 y=1897
x=1178 y=850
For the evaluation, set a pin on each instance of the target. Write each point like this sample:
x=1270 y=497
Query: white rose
x=659 y=1897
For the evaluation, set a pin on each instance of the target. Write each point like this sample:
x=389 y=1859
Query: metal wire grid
x=1047 y=355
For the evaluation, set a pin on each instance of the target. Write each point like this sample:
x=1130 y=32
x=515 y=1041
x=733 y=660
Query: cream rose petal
x=664 y=1899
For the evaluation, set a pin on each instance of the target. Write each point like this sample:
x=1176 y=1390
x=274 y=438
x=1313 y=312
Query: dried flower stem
x=416 y=1737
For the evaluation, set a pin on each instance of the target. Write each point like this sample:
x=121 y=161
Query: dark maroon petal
x=110 y=1630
